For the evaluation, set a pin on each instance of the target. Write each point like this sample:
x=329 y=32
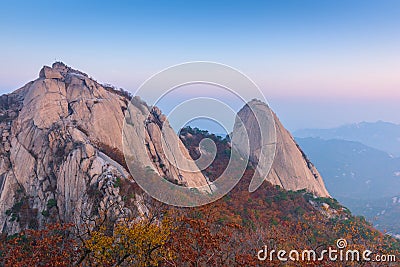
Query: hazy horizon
x=300 y=113
x=319 y=64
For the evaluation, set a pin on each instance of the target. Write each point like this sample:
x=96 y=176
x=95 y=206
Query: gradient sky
x=319 y=63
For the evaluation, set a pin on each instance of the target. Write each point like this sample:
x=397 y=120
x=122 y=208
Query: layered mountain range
x=363 y=178
x=61 y=154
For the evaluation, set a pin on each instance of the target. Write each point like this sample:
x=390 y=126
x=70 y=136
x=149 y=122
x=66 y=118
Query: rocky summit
x=61 y=155
x=62 y=139
x=291 y=169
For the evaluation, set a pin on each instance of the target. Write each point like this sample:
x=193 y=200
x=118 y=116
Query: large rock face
x=61 y=149
x=290 y=167
x=61 y=153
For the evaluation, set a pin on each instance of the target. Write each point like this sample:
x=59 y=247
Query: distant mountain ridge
x=365 y=179
x=381 y=135
x=352 y=169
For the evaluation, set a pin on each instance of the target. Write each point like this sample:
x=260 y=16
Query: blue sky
x=319 y=63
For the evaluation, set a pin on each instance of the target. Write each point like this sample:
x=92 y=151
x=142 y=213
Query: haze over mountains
x=364 y=178
x=352 y=169
x=381 y=135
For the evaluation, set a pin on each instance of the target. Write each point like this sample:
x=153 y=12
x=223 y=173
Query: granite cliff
x=291 y=169
x=61 y=150
x=61 y=154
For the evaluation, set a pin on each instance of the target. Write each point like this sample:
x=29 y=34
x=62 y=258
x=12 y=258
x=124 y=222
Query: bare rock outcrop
x=61 y=153
x=291 y=168
x=49 y=73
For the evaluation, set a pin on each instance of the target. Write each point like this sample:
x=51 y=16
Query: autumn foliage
x=228 y=232
x=137 y=243
x=53 y=246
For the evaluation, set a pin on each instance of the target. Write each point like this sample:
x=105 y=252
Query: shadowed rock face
x=61 y=149
x=290 y=168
